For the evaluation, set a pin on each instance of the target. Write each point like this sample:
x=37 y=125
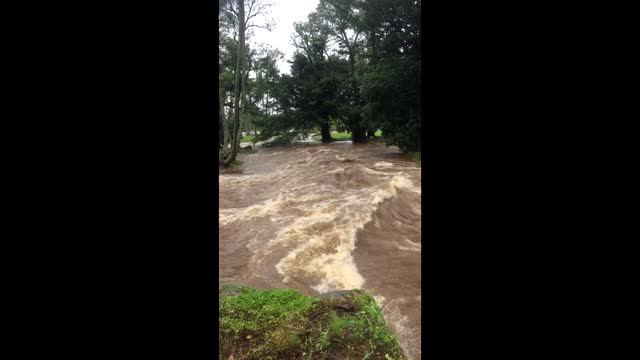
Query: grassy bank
x=335 y=136
x=284 y=324
x=342 y=136
x=416 y=157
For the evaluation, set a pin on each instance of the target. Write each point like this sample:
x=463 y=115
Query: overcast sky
x=284 y=13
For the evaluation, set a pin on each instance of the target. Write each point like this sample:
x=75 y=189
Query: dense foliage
x=356 y=68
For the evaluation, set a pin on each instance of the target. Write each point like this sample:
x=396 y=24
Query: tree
x=343 y=21
x=311 y=38
x=238 y=13
x=260 y=88
x=391 y=77
x=357 y=66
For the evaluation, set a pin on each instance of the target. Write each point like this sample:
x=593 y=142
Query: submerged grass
x=284 y=324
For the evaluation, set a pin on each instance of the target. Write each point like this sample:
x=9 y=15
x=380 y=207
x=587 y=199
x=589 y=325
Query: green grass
x=248 y=138
x=341 y=136
x=284 y=324
x=335 y=136
x=417 y=157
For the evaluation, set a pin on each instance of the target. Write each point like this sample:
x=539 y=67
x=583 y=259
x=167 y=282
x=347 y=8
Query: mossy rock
x=340 y=294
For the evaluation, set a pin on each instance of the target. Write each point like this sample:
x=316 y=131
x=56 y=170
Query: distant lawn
x=341 y=136
x=334 y=136
x=247 y=138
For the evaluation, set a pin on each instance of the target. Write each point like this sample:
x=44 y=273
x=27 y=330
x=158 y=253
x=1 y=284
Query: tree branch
x=231 y=9
x=249 y=12
x=266 y=27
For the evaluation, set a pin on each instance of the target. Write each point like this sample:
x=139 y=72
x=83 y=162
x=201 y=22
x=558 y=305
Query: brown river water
x=320 y=218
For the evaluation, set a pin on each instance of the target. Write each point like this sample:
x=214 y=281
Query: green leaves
x=372 y=81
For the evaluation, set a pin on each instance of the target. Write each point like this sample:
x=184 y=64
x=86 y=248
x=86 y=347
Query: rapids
x=320 y=218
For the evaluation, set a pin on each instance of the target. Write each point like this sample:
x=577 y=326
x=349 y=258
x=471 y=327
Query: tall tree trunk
x=221 y=117
x=237 y=93
x=243 y=102
x=372 y=43
x=358 y=135
x=326 y=132
x=227 y=124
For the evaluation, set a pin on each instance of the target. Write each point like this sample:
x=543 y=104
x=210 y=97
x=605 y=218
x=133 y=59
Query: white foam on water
x=344 y=159
x=326 y=254
x=401 y=326
x=403 y=182
x=382 y=164
x=397 y=182
x=412 y=246
x=336 y=170
x=317 y=224
x=379 y=299
x=371 y=171
x=266 y=208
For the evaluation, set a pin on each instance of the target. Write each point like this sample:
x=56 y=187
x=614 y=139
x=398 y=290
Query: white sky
x=284 y=13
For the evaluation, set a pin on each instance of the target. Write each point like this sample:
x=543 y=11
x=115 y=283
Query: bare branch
x=230 y=8
x=266 y=27
x=260 y=8
x=250 y=11
x=250 y=17
x=345 y=39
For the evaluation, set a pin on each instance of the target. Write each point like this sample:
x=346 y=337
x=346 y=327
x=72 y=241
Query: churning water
x=319 y=218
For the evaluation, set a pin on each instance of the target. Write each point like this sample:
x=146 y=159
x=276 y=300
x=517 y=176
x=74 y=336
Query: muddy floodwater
x=319 y=218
